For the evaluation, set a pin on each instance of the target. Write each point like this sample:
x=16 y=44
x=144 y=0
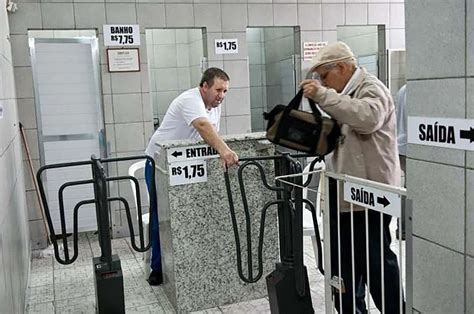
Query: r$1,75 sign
x=187 y=172
x=226 y=46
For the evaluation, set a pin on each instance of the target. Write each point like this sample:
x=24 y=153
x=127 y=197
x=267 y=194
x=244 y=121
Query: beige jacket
x=369 y=149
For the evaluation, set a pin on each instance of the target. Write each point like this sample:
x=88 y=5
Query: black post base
x=284 y=298
x=109 y=286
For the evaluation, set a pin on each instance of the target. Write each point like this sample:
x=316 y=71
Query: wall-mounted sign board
x=121 y=35
x=123 y=60
x=441 y=132
x=226 y=46
x=310 y=48
x=188 y=164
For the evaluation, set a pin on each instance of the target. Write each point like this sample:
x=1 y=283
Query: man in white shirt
x=195 y=114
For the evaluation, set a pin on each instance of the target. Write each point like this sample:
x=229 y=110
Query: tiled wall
x=174 y=64
x=272 y=53
x=280 y=51
x=14 y=244
x=440 y=66
x=126 y=99
x=257 y=77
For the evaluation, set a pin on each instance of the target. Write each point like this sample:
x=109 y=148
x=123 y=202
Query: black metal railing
x=101 y=200
x=289 y=201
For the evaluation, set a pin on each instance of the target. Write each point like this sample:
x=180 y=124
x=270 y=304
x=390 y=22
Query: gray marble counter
x=197 y=239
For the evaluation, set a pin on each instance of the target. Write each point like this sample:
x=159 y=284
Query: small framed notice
x=123 y=60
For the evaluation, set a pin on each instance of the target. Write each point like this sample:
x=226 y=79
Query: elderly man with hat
x=367 y=149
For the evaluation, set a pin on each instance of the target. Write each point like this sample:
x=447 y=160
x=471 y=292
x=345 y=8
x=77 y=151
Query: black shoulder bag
x=304 y=131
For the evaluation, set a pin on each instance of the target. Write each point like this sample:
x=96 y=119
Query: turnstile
x=107 y=268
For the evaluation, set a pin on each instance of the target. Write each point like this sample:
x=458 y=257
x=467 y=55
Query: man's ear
x=343 y=68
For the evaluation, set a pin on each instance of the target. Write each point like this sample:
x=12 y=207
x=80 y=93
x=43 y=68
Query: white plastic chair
x=132 y=171
x=308 y=227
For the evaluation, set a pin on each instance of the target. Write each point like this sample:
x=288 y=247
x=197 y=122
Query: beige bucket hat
x=332 y=53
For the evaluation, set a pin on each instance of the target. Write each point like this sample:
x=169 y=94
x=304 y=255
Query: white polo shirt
x=176 y=124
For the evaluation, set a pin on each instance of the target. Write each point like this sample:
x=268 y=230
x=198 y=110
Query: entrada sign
x=441 y=132
x=191 y=152
x=188 y=164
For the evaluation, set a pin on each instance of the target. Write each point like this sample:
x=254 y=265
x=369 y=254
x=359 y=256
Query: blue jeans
x=155 y=228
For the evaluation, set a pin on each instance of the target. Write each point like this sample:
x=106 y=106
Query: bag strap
x=296 y=101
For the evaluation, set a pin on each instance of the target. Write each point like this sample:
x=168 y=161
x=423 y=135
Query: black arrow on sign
x=383 y=200
x=467 y=134
x=176 y=154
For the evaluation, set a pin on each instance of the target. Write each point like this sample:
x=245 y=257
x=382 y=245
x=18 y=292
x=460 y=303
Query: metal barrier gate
x=107 y=268
x=356 y=220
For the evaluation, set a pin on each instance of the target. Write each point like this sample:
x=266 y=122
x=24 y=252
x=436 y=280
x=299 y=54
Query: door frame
x=94 y=43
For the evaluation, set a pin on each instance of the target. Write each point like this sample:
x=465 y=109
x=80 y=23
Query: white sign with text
x=188 y=165
x=379 y=200
x=121 y=35
x=441 y=132
x=191 y=153
x=311 y=48
x=186 y=172
x=226 y=46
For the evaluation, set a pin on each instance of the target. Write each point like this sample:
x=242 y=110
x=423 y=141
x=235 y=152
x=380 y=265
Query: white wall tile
x=356 y=13
x=24 y=82
x=165 y=56
x=396 y=39
x=469 y=282
x=147 y=107
x=235 y=17
x=105 y=80
x=27 y=112
x=127 y=108
x=238 y=102
x=238 y=124
x=309 y=16
x=110 y=138
x=57 y=15
x=89 y=15
x=108 y=109
x=285 y=15
x=28 y=17
x=431 y=218
x=151 y=15
x=19 y=44
x=397 y=15
x=438 y=279
x=470 y=40
x=260 y=14
x=179 y=15
x=129 y=137
x=166 y=79
x=333 y=15
x=127 y=82
x=330 y=36
x=120 y=13
x=379 y=13
x=238 y=72
x=207 y=15
x=449 y=59
x=470 y=216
